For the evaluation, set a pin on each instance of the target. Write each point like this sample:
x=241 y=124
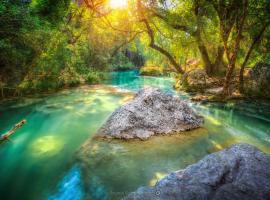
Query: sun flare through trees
x=118 y=3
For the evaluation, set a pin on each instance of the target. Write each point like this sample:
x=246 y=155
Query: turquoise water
x=45 y=159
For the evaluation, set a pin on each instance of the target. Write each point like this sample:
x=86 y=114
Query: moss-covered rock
x=257 y=81
x=192 y=81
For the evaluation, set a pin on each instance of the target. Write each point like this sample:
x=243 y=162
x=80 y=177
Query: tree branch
x=152 y=44
x=11 y=131
x=125 y=43
x=173 y=25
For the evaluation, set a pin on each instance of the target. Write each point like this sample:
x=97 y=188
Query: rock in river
x=240 y=172
x=150 y=112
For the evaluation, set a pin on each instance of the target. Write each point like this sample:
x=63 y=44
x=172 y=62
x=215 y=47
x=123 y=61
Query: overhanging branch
x=152 y=44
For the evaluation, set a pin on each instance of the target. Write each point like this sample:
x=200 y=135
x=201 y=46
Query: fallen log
x=10 y=132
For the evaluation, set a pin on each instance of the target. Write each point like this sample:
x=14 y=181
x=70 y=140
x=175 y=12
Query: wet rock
x=257 y=82
x=150 y=112
x=240 y=172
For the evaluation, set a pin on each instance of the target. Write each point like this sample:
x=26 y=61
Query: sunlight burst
x=118 y=3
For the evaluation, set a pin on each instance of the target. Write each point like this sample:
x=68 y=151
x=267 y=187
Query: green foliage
x=47 y=45
x=50 y=9
x=121 y=63
x=94 y=77
x=16 y=52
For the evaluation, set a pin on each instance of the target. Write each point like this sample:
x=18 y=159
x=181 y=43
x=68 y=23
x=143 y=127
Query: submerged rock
x=110 y=169
x=150 y=112
x=240 y=172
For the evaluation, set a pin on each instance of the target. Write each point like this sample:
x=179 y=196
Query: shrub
x=69 y=78
x=94 y=77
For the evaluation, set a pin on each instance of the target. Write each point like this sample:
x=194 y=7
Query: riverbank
x=212 y=93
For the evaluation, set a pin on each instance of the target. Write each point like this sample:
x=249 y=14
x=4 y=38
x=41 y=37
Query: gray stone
x=193 y=81
x=240 y=172
x=150 y=112
x=257 y=82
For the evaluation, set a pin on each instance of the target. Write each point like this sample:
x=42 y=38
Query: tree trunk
x=219 y=63
x=202 y=48
x=231 y=66
x=255 y=41
x=232 y=60
x=206 y=60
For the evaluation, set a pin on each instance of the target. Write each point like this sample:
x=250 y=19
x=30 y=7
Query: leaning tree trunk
x=152 y=44
x=206 y=60
x=255 y=41
x=204 y=53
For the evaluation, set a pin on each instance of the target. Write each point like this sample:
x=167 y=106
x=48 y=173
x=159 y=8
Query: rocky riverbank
x=205 y=88
x=239 y=172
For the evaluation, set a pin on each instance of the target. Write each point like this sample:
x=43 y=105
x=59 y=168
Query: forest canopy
x=47 y=44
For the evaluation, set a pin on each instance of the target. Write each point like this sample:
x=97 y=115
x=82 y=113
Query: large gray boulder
x=150 y=112
x=240 y=172
x=257 y=82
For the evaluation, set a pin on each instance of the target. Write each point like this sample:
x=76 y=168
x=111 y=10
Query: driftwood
x=10 y=132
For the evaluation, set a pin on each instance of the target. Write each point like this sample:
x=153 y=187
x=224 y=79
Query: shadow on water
x=41 y=162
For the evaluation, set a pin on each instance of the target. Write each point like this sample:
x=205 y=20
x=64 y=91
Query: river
x=40 y=160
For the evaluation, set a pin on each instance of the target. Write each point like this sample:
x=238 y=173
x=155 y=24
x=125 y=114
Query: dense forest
x=46 y=44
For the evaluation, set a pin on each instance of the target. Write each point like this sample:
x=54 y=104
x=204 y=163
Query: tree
x=143 y=18
x=232 y=15
x=257 y=24
x=195 y=18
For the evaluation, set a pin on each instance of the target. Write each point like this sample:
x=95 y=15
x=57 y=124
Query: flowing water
x=53 y=157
